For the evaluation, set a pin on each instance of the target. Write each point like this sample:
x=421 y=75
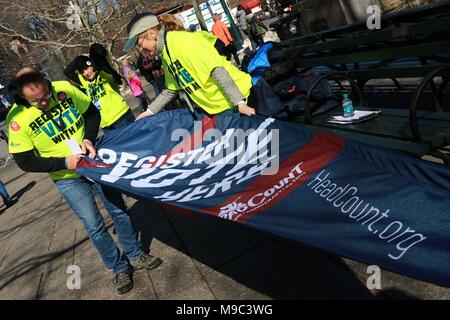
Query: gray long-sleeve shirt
x=241 y=19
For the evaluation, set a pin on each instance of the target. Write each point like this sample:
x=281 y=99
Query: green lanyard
x=186 y=96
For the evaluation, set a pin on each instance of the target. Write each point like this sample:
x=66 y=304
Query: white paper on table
x=358 y=116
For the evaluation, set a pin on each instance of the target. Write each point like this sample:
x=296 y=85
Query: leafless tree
x=48 y=27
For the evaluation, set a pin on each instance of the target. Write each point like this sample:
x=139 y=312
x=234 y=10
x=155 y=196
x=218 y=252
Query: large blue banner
x=363 y=202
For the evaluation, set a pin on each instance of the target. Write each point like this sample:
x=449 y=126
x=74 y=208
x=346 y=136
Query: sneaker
x=123 y=282
x=146 y=261
x=10 y=203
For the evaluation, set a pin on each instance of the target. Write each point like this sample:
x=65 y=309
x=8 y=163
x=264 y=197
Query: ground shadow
x=271 y=266
x=142 y=219
x=19 y=270
x=16 y=196
x=395 y=294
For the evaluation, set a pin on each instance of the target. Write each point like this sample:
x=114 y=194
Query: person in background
x=151 y=69
x=96 y=78
x=257 y=30
x=103 y=89
x=242 y=20
x=4 y=100
x=135 y=85
x=193 y=27
x=220 y=30
x=99 y=56
x=5 y=196
x=4 y=131
x=191 y=65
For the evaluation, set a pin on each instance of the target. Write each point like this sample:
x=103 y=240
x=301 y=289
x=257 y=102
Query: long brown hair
x=171 y=23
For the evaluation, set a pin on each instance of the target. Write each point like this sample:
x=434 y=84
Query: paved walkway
x=204 y=258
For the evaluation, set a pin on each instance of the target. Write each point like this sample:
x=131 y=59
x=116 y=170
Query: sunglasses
x=43 y=102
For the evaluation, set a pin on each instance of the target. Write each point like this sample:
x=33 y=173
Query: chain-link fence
x=5 y=156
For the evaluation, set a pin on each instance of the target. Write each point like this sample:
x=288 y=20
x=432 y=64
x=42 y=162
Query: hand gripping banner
x=359 y=201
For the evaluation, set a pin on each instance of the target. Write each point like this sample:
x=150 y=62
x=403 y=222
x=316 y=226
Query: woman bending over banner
x=191 y=64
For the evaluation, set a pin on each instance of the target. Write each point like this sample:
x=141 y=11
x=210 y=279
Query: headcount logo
x=349 y=202
x=258 y=200
x=237 y=154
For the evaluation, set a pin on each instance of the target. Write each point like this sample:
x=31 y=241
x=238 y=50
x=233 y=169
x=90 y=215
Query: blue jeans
x=79 y=194
x=158 y=85
x=4 y=194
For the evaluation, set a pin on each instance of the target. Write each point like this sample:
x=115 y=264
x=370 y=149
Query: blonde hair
x=131 y=74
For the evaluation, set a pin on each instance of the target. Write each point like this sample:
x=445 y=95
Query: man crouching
x=46 y=121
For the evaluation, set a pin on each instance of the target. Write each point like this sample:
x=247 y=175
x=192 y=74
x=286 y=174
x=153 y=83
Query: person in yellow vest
x=191 y=64
x=97 y=79
x=47 y=123
x=103 y=90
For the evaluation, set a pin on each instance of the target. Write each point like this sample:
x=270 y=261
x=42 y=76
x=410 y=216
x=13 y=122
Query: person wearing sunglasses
x=47 y=119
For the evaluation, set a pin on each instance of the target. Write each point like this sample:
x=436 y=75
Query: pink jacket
x=136 y=86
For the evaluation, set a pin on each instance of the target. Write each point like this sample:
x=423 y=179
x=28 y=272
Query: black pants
x=252 y=100
x=143 y=100
x=247 y=35
x=259 y=39
x=231 y=50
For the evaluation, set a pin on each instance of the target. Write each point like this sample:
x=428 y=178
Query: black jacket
x=146 y=68
x=98 y=56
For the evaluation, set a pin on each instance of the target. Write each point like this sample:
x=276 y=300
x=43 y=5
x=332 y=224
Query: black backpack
x=248 y=56
x=286 y=99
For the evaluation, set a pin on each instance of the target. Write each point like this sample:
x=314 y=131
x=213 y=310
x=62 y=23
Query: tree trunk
x=199 y=15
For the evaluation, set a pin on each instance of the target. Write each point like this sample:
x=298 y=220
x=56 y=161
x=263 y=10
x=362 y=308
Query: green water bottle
x=347 y=106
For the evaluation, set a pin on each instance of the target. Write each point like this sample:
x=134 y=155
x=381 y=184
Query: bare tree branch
x=14 y=34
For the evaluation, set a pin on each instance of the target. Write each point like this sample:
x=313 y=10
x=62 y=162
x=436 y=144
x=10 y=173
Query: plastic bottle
x=347 y=106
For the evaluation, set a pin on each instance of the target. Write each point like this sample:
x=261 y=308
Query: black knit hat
x=80 y=63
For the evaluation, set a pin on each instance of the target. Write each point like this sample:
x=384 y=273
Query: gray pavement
x=204 y=258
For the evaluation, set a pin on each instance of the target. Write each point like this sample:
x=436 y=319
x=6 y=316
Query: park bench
x=412 y=45
x=295 y=21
